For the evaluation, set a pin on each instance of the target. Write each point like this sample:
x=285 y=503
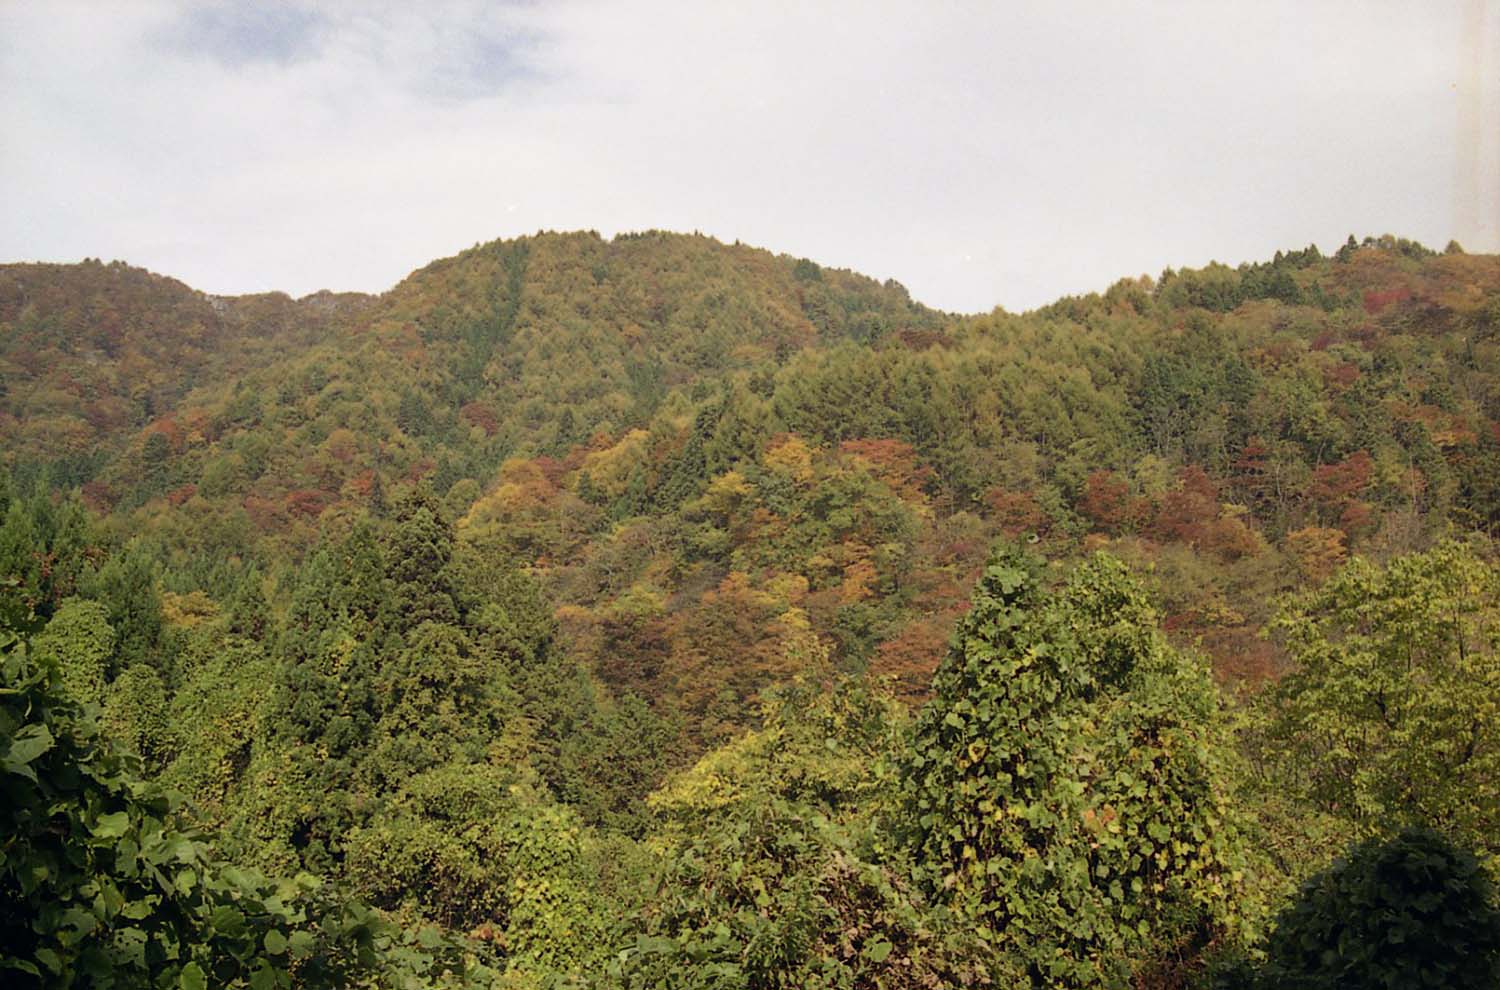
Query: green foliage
x=686 y=473
x=777 y=872
x=1066 y=787
x=126 y=586
x=417 y=558
x=42 y=553
x=214 y=717
x=135 y=714
x=774 y=894
x=79 y=642
x=476 y=848
x=98 y=887
x=1410 y=911
x=1391 y=713
x=610 y=759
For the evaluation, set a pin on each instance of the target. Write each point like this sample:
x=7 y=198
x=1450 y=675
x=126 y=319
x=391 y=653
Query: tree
x=99 y=887
x=1413 y=910
x=417 y=558
x=776 y=870
x=42 y=553
x=79 y=642
x=1392 y=713
x=126 y=585
x=1066 y=784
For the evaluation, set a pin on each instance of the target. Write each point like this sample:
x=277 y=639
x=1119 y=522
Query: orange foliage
x=725 y=651
x=1017 y=512
x=1376 y=301
x=859 y=577
x=1229 y=539
x=169 y=428
x=1317 y=551
x=1106 y=502
x=910 y=657
x=361 y=485
x=892 y=462
x=178 y=496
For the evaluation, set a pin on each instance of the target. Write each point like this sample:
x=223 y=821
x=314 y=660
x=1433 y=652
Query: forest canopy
x=655 y=612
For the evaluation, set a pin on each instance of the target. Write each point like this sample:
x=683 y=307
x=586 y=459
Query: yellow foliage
x=715 y=780
x=1317 y=551
x=725 y=495
x=790 y=457
x=640 y=600
x=790 y=588
x=859 y=575
x=187 y=611
x=522 y=485
x=610 y=469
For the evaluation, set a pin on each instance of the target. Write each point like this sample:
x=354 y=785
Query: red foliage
x=482 y=415
x=1187 y=513
x=1341 y=375
x=1106 y=502
x=1017 y=512
x=910 y=658
x=107 y=414
x=307 y=502
x=265 y=513
x=1357 y=519
x=552 y=469
x=1239 y=654
x=920 y=340
x=1377 y=301
x=1332 y=484
x=632 y=652
x=98 y=496
x=178 y=496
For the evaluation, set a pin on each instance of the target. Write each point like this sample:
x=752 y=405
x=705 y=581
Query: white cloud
x=981 y=154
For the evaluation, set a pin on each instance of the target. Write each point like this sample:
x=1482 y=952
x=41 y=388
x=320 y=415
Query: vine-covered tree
x=1067 y=784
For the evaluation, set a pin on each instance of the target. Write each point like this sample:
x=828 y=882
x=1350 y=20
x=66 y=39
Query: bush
x=1411 y=911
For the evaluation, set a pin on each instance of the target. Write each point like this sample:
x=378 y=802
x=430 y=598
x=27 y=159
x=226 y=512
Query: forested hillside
x=656 y=612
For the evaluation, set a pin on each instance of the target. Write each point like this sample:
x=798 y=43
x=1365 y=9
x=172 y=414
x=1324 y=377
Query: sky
x=981 y=154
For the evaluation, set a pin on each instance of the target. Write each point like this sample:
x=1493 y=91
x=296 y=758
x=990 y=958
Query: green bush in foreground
x=1411 y=911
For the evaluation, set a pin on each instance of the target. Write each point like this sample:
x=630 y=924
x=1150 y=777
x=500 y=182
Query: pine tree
x=417 y=555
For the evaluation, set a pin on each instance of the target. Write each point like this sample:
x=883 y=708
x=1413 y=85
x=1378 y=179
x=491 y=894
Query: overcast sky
x=981 y=153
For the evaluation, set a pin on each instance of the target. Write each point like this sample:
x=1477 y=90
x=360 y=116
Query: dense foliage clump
x=1067 y=786
x=1410 y=911
x=102 y=887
